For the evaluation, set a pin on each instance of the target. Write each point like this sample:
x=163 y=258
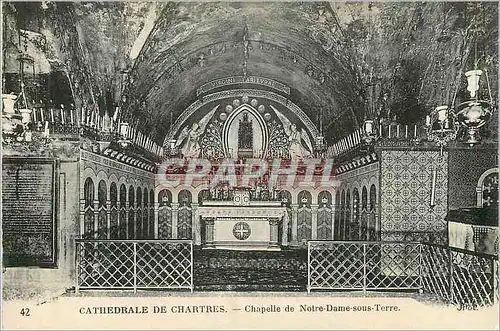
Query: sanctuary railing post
x=492 y=280
x=308 y=267
x=192 y=262
x=77 y=267
x=135 y=267
x=364 y=267
x=420 y=267
x=450 y=274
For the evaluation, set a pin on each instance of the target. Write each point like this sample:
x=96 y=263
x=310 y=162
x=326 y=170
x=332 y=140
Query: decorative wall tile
x=406 y=180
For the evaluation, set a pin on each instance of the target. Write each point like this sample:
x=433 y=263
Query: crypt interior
x=394 y=106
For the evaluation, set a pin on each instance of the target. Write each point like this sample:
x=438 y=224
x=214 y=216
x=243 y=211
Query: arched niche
x=230 y=130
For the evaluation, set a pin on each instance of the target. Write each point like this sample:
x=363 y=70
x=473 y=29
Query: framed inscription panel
x=29 y=204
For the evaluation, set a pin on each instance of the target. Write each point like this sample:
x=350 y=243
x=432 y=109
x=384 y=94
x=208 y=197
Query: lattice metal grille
x=393 y=266
x=435 y=270
x=460 y=277
x=132 y=264
x=473 y=279
x=497 y=280
x=335 y=265
x=362 y=265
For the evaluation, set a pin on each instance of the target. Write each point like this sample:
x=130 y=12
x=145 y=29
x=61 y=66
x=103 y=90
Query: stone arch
x=480 y=186
x=304 y=217
x=131 y=212
x=122 y=204
x=185 y=215
x=325 y=219
x=89 y=173
x=164 y=214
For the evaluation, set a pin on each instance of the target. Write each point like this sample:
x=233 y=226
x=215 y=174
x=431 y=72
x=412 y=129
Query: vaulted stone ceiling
x=339 y=59
x=346 y=61
x=193 y=43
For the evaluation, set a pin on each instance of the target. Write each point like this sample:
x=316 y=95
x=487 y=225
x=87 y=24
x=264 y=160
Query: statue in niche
x=245 y=133
x=188 y=139
x=245 y=137
x=295 y=138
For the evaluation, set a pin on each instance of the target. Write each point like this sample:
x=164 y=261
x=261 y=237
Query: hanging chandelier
x=474 y=113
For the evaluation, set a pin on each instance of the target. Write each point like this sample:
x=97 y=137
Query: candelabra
x=369 y=135
x=440 y=126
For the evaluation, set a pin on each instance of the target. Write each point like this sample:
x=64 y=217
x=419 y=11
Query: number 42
x=25 y=312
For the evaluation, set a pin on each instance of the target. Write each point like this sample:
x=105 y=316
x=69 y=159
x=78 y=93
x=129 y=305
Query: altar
x=252 y=226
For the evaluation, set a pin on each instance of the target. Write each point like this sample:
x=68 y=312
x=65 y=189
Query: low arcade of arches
x=116 y=206
x=357 y=210
x=310 y=213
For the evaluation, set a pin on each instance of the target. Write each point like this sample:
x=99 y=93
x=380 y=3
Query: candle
x=71 y=115
x=62 y=113
x=415 y=131
x=41 y=114
x=52 y=114
x=433 y=188
x=390 y=130
x=83 y=115
x=34 y=114
x=406 y=131
x=397 y=131
x=46 y=128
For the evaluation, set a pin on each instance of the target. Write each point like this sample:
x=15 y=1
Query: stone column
x=175 y=211
x=82 y=217
x=96 y=218
x=333 y=221
x=273 y=238
x=284 y=234
x=196 y=227
x=156 y=210
x=127 y=206
x=209 y=232
x=294 y=224
x=314 y=222
x=108 y=218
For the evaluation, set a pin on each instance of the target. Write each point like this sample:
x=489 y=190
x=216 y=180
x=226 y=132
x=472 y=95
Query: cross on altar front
x=241 y=231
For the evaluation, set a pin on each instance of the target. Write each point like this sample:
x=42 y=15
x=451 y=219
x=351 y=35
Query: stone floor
x=226 y=270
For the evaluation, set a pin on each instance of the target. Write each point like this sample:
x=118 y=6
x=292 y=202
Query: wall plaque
x=29 y=205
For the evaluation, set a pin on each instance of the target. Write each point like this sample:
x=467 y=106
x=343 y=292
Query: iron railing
x=134 y=264
x=461 y=277
x=357 y=265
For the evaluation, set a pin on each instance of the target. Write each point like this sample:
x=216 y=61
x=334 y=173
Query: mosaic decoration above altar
x=246 y=126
